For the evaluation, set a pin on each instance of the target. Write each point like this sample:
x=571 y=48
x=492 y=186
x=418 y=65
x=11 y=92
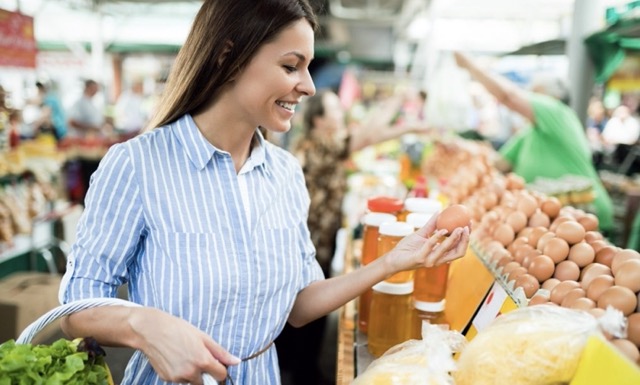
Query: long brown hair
x=225 y=36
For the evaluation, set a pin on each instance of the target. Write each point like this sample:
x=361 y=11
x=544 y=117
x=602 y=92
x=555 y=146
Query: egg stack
x=556 y=256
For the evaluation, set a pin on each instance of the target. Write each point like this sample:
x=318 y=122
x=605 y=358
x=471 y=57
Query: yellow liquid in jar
x=390 y=321
x=364 y=304
x=430 y=283
x=385 y=244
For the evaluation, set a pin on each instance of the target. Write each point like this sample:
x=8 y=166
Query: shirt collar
x=200 y=150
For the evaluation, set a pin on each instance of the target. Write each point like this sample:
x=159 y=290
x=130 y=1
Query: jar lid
x=422 y=205
x=432 y=307
x=417 y=220
x=384 y=204
x=394 y=288
x=395 y=229
x=376 y=219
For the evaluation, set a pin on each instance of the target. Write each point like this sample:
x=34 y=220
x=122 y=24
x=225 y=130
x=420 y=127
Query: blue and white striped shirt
x=165 y=213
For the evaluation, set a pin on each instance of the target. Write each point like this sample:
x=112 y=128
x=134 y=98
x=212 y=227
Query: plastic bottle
x=371 y=222
x=392 y=317
x=390 y=234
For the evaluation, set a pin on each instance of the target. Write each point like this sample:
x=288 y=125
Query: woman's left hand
x=428 y=247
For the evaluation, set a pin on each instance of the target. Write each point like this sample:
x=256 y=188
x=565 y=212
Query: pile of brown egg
x=557 y=256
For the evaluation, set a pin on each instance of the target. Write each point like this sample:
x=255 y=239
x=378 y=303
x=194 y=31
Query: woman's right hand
x=177 y=350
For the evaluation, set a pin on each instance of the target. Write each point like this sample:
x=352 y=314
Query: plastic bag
x=449 y=103
x=536 y=345
x=416 y=362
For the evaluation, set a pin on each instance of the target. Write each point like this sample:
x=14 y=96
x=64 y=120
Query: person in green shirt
x=554 y=145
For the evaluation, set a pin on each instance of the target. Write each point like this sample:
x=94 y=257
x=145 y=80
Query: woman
x=206 y=221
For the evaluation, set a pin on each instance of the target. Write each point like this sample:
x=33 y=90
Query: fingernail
x=234 y=360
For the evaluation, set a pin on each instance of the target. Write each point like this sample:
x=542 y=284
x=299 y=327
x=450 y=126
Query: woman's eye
x=290 y=69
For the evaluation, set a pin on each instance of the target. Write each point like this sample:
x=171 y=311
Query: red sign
x=17 y=41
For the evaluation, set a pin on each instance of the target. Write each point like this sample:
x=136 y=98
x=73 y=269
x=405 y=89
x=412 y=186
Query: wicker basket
x=27 y=334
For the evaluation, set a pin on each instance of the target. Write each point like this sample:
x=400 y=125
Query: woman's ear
x=228 y=45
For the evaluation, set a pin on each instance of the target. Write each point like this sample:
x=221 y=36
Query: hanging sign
x=17 y=40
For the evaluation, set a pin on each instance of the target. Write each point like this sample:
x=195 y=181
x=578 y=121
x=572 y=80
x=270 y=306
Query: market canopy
x=608 y=48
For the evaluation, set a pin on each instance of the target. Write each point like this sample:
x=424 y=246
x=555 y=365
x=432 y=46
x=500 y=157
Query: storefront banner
x=17 y=40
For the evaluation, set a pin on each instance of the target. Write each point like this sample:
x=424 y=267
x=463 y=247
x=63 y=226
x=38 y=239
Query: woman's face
x=268 y=90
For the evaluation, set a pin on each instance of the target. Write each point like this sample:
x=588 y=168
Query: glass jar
x=433 y=314
x=371 y=222
x=429 y=283
x=391 y=317
x=390 y=234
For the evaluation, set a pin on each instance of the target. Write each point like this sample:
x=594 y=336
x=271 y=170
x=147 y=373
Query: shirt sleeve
x=110 y=232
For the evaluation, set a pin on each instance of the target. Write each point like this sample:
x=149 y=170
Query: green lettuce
x=64 y=362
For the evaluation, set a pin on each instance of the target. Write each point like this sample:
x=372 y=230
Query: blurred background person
x=51 y=118
x=555 y=131
x=131 y=113
x=84 y=117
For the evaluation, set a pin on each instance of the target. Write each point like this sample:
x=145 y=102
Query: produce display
x=64 y=362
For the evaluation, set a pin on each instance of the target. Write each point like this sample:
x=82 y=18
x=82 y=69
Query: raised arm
x=502 y=89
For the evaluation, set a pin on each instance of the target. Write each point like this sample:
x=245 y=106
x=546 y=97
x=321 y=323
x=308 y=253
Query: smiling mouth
x=288 y=106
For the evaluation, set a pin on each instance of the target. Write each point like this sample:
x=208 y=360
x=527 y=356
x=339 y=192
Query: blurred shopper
x=555 y=144
x=322 y=151
x=206 y=221
x=84 y=117
x=52 y=116
x=131 y=114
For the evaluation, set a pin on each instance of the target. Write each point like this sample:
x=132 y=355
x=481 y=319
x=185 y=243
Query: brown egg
x=557 y=249
x=538 y=299
x=504 y=234
x=561 y=289
x=515 y=273
x=619 y=297
x=528 y=283
x=542 y=242
x=570 y=231
x=591 y=236
x=525 y=233
x=567 y=271
x=582 y=254
x=535 y=234
x=605 y=255
x=558 y=221
x=629 y=275
x=542 y=267
x=509 y=267
x=598 y=244
x=589 y=222
x=583 y=303
x=504 y=260
x=622 y=256
x=519 y=253
x=539 y=218
x=628 y=349
x=528 y=258
x=592 y=271
x=598 y=285
x=633 y=328
x=571 y=297
x=596 y=312
x=517 y=243
x=527 y=204
x=517 y=220
x=551 y=206
x=550 y=283
x=453 y=217
x=515 y=181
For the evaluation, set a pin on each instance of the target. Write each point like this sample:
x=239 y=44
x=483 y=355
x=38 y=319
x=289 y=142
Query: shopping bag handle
x=72 y=307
